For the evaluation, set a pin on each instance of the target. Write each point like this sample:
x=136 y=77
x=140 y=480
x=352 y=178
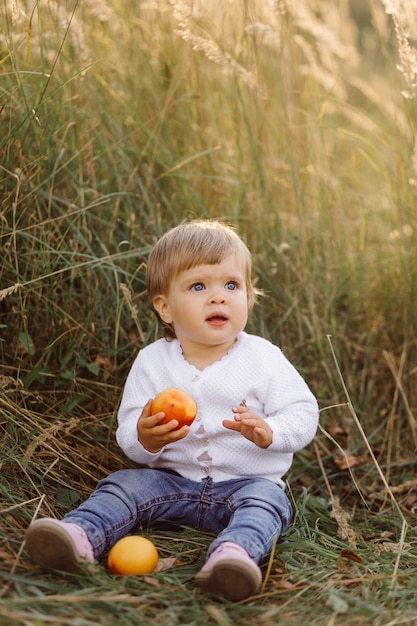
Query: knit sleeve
x=138 y=389
x=290 y=408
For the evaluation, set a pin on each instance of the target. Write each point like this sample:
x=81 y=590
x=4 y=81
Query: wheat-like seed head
x=184 y=17
x=9 y=290
x=403 y=15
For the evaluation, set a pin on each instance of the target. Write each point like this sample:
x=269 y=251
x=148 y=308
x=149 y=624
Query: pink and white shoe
x=230 y=572
x=58 y=545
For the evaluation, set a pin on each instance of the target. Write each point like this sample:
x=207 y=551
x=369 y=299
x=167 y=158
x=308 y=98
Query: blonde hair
x=200 y=242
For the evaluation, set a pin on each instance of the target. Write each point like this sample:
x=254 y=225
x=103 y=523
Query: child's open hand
x=251 y=426
x=154 y=436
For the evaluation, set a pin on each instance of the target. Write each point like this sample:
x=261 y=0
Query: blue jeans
x=249 y=511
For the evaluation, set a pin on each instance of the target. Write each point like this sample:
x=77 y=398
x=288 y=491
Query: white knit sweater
x=254 y=370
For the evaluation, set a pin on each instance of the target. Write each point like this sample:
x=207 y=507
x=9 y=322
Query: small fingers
x=232 y=424
x=239 y=410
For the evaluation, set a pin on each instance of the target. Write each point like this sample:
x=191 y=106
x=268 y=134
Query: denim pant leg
x=250 y=512
x=259 y=511
x=131 y=497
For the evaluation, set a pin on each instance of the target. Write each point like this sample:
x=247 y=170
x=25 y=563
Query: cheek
x=243 y=302
x=182 y=312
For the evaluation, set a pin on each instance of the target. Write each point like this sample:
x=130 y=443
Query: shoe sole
x=49 y=544
x=230 y=578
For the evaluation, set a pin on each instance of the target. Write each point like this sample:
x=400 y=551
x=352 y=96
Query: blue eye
x=197 y=287
x=232 y=285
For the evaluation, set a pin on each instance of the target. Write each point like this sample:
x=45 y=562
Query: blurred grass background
x=293 y=121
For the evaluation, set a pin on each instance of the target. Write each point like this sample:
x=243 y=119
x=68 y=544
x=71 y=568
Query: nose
x=217 y=298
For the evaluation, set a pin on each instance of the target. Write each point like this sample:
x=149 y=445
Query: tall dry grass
x=120 y=120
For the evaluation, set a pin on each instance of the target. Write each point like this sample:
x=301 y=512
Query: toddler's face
x=207 y=305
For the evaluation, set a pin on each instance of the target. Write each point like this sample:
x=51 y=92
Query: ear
x=160 y=304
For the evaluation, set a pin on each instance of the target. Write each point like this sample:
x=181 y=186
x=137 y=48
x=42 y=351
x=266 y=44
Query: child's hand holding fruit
x=165 y=419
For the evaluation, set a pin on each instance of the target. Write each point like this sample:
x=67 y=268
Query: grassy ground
x=352 y=563
x=295 y=122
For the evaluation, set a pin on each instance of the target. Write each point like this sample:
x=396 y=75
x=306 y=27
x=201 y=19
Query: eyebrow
x=206 y=272
x=197 y=273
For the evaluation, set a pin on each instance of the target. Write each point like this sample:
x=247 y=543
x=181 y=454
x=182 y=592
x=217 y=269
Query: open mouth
x=217 y=318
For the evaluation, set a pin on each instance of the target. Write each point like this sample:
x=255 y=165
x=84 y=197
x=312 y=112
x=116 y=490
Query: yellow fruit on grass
x=132 y=555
